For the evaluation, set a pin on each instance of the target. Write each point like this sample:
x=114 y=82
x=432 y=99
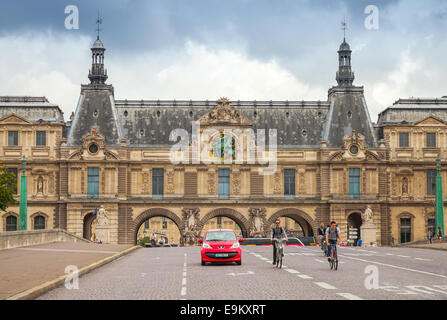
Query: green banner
x=439 y=198
x=23 y=204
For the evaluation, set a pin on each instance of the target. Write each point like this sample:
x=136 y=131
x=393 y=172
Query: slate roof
x=149 y=122
x=412 y=110
x=31 y=108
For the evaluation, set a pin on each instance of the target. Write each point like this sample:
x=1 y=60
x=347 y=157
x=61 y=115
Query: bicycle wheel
x=280 y=261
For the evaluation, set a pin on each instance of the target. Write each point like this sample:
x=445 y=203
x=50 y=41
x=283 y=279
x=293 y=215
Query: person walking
x=440 y=234
x=153 y=239
x=430 y=237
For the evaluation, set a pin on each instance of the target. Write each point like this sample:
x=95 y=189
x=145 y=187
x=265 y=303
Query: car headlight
x=206 y=246
x=235 y=245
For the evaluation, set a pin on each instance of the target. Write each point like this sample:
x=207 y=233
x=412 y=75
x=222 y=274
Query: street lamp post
x=439 y=216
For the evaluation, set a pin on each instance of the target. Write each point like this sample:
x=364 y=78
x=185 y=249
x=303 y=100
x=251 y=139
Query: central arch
x=225 y=212
x=304 y=220
x=155 y=212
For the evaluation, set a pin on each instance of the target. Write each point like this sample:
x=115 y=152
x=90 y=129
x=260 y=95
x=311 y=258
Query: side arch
x=225 y=212
x=156 y=212
x=306 y=221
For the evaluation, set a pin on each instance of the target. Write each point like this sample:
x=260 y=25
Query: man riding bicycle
x=277 y=233
x=321 y=234
x=332 y=235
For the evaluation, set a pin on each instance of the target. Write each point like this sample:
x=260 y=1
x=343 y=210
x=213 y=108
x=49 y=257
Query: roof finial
x=98 y=22
x=344 y=26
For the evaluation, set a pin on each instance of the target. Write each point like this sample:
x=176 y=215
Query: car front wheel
x=239 y=262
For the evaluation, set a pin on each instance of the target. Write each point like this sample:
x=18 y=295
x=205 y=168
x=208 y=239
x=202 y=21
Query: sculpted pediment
x=431 y=121
x=224 y=114
x=13 y=118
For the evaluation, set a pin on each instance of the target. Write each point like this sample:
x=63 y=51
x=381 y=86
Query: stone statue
x=40 y=185
x=102 y=219
x=405 y=186
x=257 y=221
x=190 y=219
x=368 y=215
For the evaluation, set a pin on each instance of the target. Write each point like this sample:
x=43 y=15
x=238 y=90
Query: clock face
x=93 y=148
x=354 y=149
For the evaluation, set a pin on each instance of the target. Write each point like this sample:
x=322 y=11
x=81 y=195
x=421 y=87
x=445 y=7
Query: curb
x=430 y=248
x=35 y=292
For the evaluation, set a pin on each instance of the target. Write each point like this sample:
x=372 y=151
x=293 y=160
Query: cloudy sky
x=240 y=49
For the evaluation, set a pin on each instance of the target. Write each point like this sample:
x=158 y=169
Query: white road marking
x=422 y=259
x=397 y=267
x=402 y=256
x=291 y=271
x=303 y=276
x=417 y=288
x=390 y=254
x=349 y=296
x=325 y=285
x=319 y=260
x=240 y=274
x=183 y=291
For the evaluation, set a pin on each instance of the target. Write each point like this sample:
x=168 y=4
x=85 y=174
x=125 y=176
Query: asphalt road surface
x=176 y=273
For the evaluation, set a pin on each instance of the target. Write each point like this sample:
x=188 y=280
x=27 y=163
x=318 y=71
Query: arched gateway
x=225 y=212
x=306 y=222
x=155 y=212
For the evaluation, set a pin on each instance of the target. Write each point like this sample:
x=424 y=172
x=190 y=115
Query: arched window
x=11 y=223
x=39 y=223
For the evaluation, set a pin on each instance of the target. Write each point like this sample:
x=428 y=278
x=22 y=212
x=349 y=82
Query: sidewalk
x=26 y=267
x=435 y=245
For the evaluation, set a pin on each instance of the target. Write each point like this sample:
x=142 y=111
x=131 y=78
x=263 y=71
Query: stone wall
x=15 y=239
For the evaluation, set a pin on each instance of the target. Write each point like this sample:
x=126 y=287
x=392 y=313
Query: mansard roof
x=32 y=109
x=149 y=122
x=412 y=110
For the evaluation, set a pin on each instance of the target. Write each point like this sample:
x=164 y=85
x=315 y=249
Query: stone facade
x=331 y=162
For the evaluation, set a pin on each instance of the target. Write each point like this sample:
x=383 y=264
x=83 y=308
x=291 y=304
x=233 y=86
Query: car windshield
x=220 y=236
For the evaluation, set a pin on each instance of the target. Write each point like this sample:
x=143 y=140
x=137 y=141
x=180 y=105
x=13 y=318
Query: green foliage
x=8 y=183
x=143 y=241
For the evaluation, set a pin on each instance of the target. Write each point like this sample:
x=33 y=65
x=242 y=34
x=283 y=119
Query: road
x=176 y=273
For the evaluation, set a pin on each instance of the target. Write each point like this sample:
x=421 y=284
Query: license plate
x=221 y=255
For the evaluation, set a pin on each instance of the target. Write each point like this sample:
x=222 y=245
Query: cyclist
x=321 y=234
x=332 y=235
x=278 y=233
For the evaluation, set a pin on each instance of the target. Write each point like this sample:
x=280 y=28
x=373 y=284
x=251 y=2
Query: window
x=13 y=138
x=431 y=140
x=224 y=183
x=14 y=170
x=11 y=223
x=39 y=223
x=165 y=223
x=157 y=183
x=146 y=224
x=405 y=230
x=219 y=222
x=289 y=183
x=431 y=182
x=41 y=138
x=403 y=140
x=93 y=182
x=354 y=183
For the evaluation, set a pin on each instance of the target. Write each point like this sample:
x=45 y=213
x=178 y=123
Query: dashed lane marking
x=349 y=296
x=303 y=276
x=402 y=256
x=422 y=259
x=325 y=285
x=292 y=271
x=183 y=290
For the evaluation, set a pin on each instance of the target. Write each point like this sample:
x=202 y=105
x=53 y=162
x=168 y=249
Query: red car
x=221 y=245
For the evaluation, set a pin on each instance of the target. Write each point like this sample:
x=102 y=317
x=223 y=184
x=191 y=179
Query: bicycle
x=279 y=251
x=333 y=262
x=324 y=247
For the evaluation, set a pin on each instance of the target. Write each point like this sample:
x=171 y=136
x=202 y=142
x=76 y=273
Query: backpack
x=336 y=230
x=281 y=228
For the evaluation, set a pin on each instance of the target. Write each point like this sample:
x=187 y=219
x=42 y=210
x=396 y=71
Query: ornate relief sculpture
x=368 y=215
x=190 y=219
x=257 y=222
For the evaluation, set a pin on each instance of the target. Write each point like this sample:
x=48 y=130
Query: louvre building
x=332 y=163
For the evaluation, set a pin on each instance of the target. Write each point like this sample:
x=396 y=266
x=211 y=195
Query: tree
x=8 y=185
